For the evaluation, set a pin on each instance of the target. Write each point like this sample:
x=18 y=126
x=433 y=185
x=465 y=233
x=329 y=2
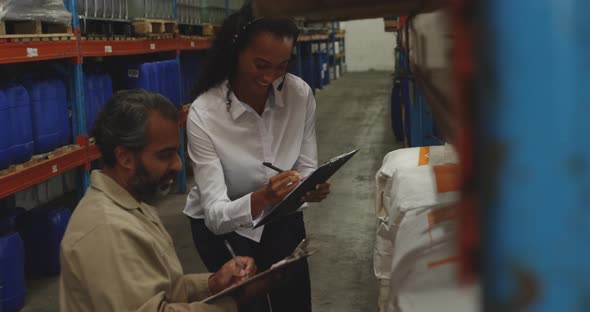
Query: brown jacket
x=116 y=255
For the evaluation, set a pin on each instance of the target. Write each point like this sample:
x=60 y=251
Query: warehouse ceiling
x=341 y=10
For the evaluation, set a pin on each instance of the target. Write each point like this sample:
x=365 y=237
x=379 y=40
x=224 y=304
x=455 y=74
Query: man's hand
x=231 y=273
x=320 y=193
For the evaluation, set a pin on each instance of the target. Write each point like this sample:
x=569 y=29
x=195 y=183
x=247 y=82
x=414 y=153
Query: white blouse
x=228 y=148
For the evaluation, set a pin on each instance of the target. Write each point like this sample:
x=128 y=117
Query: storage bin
x=20 y=122
x=49 y=114
x=5 y=132
x=12 y=276
x=43 y=230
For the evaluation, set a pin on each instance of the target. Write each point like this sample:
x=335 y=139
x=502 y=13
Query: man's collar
x=113 y=190
x=237 y=108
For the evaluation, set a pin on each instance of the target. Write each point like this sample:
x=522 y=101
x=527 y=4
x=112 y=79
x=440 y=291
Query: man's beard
x=148 y=188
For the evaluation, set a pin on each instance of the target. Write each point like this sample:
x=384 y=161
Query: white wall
x=368 y=46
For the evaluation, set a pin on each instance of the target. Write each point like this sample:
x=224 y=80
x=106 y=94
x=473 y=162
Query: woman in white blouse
x=249 y=111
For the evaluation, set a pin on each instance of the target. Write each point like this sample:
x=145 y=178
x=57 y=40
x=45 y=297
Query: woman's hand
x=232 y=273
x=281 y=185
x=320 y=193
x=276 y=190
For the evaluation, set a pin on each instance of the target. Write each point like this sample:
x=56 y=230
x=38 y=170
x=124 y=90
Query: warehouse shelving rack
x=76 y=50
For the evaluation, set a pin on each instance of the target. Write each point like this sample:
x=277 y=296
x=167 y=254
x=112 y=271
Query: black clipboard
x=300 y=253
x=293 y=202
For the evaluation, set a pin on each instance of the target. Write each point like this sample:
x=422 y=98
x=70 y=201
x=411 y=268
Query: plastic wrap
x=44 y=10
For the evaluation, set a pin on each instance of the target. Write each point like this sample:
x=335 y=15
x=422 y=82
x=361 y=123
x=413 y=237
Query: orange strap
x=447 y=178
x=424 y=157
x=441 y=215
x=440 y=262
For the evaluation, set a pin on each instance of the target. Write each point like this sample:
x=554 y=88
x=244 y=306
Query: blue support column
x=333 y=39
x=226 y=8
x=181 y=176
x=343 y=50
x=326 y=50
x=174 y=9
x=533 y=109
x=76 y=99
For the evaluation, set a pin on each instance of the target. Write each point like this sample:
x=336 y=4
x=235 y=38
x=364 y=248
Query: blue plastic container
x=49 y=114
x=90 y=99
x=396 y=112
x=65 y=136
x=9 y=219
x=406 y=107
x=141 y=76
x=308 y=72
x=104 y=90
x=12 y=273
x=191 y=71
x=21 y=132
x=156 y=76
x=173 y=78
x=319 y=72
x=107 y=88
x=325 y=58
x=168 y=79
x=43 y=230
x=5 y=132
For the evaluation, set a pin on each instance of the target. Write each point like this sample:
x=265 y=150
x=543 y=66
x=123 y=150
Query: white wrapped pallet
x=42 y=10
x=382 y=252
x=405 y=158
x=414 y=188
x=418 y=188
x=420 y=232
x=412 y=184
x=402 y=158
x=424 y=276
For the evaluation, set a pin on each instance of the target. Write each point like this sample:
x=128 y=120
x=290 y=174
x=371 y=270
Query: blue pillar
x=174 y=9
x=181 y=176
x=299 y=60
x=533 y=105
x=333 y=39
x=76 y=99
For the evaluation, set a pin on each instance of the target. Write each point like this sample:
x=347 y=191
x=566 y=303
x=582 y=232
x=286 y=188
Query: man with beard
x=116 y=254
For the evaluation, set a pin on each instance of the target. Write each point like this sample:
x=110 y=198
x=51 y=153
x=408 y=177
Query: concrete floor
x=352 y=112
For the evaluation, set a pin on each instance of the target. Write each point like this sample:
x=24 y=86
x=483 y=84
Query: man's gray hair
x=123 y=121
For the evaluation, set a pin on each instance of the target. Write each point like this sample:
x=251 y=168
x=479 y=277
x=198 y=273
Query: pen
x=233 y=254
x=269 y=165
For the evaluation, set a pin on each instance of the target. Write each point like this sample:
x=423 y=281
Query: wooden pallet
x=160 y=36
x=391 y=25
x=36 y=159
x=204 y=30
x=34 y=31
x=154 y=26
x=111 y=38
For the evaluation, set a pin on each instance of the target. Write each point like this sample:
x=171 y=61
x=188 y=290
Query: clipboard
x=300 y=253
x=293 y=202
